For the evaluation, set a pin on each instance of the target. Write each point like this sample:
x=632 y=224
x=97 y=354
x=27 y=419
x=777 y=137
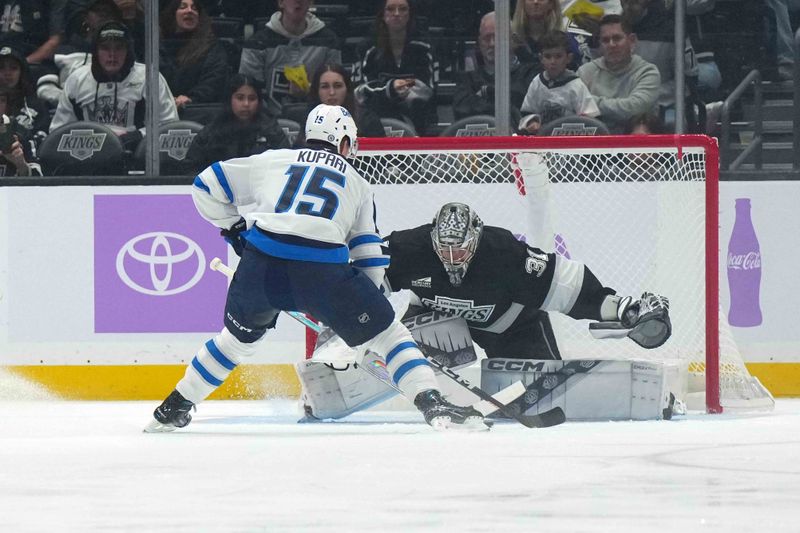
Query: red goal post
x=641 y=211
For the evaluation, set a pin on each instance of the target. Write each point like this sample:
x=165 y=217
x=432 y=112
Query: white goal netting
x=632 y=208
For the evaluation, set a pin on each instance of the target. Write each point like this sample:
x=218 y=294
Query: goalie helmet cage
x=641 y=211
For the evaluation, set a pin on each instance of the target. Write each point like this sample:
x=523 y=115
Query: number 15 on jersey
x=310 y=193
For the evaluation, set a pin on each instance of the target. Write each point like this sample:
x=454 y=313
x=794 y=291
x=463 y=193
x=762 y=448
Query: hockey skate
x=442 y=414
x=173 y=413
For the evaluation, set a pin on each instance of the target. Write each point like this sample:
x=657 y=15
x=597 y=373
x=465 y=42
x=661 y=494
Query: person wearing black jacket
x=399 y=73
x=243 y=128
x=193 y=62
x=28 y=115
x=474 y=93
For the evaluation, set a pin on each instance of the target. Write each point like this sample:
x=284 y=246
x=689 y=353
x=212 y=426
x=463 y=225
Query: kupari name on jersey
x=466 y=309
x=325 y=158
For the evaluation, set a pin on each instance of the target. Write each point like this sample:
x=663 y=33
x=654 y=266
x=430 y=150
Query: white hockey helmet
x=331 y=124
x=456 y=232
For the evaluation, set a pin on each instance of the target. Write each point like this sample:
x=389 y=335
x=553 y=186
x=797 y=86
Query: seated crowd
x=247 y=72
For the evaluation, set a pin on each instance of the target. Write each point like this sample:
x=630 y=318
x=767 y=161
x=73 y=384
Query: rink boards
x=105 y=291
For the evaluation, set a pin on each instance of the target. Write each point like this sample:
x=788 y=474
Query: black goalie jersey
x=506 y=282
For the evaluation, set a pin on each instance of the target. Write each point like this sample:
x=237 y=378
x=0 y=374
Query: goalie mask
x=331 y=124
x=456 y=233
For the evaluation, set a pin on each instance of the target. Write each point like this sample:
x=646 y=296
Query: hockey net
x=640 y=211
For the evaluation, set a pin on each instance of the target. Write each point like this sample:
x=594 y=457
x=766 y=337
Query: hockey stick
x=549 y=418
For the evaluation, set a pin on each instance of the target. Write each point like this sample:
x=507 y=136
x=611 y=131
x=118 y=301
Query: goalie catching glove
x=644 y=321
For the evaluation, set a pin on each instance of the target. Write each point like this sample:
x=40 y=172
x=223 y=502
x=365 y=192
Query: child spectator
x=193 y=62
x=29 y=115
x=399 y=74
x=111 y=90
x=557 y=91
x=243 y=128
x=294 y=38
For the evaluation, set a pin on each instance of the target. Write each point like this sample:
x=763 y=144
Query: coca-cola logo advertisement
x=746 y=261
x=744 y=269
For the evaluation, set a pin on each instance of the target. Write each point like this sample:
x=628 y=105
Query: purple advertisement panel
x=151 y=274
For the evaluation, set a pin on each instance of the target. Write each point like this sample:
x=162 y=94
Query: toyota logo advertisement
x=151 y=266
x=171 y=251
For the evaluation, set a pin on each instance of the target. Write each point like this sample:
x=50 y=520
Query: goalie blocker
x=335 y=391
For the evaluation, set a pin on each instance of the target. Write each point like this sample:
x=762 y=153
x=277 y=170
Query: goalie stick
x=549 y=418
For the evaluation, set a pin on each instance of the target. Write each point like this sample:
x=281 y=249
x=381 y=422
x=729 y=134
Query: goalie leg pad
x=332 y=394
x=585 y=389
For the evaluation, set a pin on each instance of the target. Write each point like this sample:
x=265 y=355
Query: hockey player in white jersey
x=313 y=215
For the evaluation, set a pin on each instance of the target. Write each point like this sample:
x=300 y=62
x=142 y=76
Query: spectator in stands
x=14 y=154
x=532 y=20
x=75 y=52
x=35 y=27
x=192 y=61
x=474 y=93
x=111 y=90
x=622 y=83
x=243 y=128
x=557 y=91
x=293 y=39
x=331 y=84
x=30 y=116
x=399 y=73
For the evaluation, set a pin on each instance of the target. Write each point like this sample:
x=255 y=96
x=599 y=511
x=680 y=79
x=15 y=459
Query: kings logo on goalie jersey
x=465 y=309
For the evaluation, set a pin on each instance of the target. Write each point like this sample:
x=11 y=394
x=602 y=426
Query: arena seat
x=82 y=149
x=574 y=125
x=475 y=126
x=291 y=128
x=397 y=128
x=174 y=140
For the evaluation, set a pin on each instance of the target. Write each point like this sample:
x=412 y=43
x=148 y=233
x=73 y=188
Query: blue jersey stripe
x=364 y=239
x=371 y=262
x=406 y=367
x=200 y=185
x=206 y=375
x=219 y=356
x=297 y=252
x=223 y=180
x=399 y=348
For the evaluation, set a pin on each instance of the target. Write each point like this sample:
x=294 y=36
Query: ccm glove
x=235 y=236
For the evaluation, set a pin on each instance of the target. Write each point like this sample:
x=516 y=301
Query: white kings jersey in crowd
x=314 y=198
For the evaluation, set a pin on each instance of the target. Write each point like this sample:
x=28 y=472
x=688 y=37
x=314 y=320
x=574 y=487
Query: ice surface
x=248 y=467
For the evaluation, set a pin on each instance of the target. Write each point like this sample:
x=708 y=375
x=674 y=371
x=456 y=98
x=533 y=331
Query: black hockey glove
x=235 y=236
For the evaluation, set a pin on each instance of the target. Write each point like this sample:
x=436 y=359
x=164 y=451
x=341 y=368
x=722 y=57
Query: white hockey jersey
x=302 y=204
x=119 y=105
